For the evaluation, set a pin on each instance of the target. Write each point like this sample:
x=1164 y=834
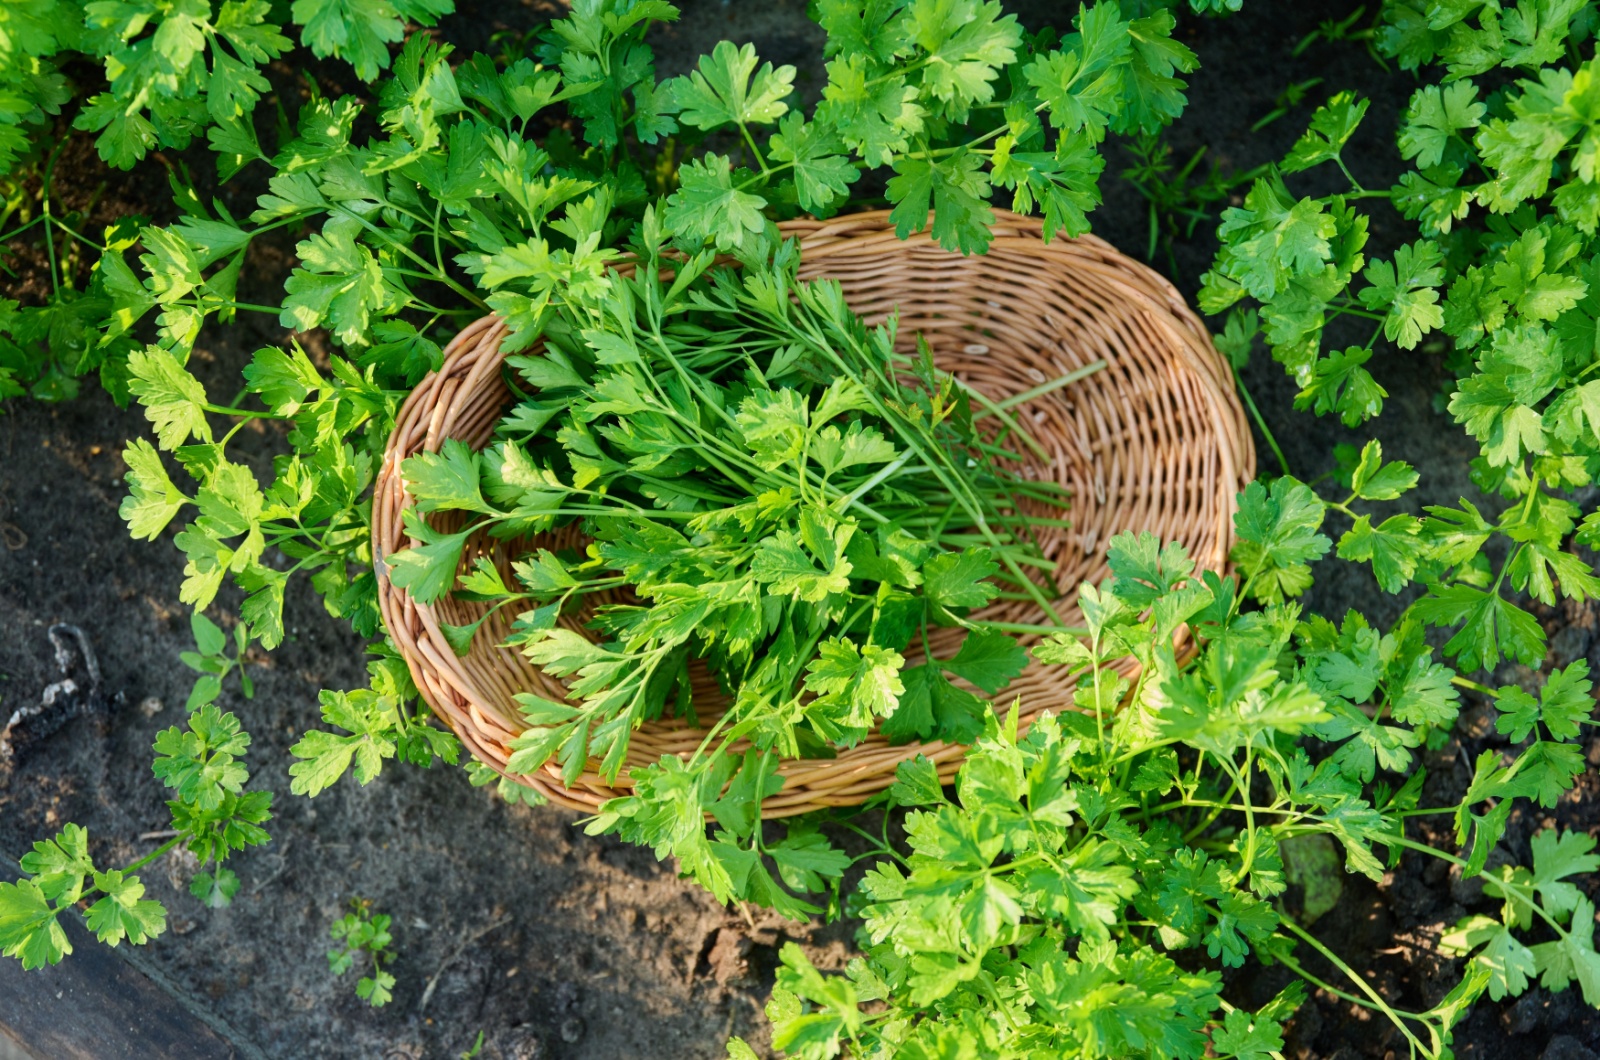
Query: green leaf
x=1510 y=964
x=956 y=579
x=806 y=860
x=1082 y=84
x=1243 y=920
x=376 y=989
x=1547 y=770
x=784 y=566
x=1367 y=743
x=916 y=783
x=1340 y=383
x=28 y=927
x=1247 y=1037
x=875 y=116
x=856 y=446
x=822 y=173
x=1277 y=537
x=338 y=283
x=447 y=480
x=774 y=425
x=1144 y=569
x=1426 y=696
x=1490 y=626
x=60 y=864
x=126 y=137
x=707 y=208
x=208 y=637
x=1373 y=480
x=1331 y=128
x=727 y=89
x=174 y=401
x=543 y=575
x=1406 y=294
x=1064 y=182
x=954 y=188
x=215 y=889
x=1567 y=700
x=931 y=708
x=988 y=659
x=124 y=912
x=360 y=31
x=283 y=378
x=1433 y=197
x=427 y=570
x=1557 y=857
x=1435 y=115
x=201 y=765
x=855 y=685
x=369 y=721
x=1274 y=238
x=1152 y=96
x=152 y=499
x=400 y=350
x=1573 y=956
x=1393 y=548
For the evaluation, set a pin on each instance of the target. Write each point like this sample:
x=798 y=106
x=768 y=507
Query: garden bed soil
x=508 y=919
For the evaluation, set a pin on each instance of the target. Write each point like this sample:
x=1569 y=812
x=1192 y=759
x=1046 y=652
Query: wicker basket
x=1156 y=441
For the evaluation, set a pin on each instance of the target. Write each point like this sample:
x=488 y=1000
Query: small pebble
x=150 y=706
x=527 y=1047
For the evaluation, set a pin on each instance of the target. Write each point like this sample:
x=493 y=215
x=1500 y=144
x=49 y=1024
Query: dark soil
x=555 y=944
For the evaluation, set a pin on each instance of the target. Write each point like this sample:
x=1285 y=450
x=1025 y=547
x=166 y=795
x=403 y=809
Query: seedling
x=363 y=935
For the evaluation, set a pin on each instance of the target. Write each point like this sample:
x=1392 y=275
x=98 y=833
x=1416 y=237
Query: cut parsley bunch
x=777 y=492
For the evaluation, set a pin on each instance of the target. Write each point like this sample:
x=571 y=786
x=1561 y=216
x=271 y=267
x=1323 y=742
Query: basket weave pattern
x=1155 y=441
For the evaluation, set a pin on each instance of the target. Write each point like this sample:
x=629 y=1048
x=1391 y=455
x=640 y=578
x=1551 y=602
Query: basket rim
x=859 y=771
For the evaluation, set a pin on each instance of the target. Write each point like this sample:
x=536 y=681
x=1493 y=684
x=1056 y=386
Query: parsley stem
x=226 y=410
x=1467 y=682
x=1029 y=627
x=85 y=240
x=44 y=206
x=1354 y=183
x=872 y=483
x=405 y=249
x=1525 y=893
x=1349 y=310
x=14 y=233
x=249 y=306
x=1266 y=432
x=1043 y=388
x=1323 y=984
x=993 y=409
x=1366 y=988
x=755 y=152
x=156 y=853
